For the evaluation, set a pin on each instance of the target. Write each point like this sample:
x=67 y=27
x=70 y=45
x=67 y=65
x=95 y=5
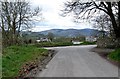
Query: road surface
x=78 y=61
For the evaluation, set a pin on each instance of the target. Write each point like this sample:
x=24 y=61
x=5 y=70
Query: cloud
x=51 y=10
x=40 y=28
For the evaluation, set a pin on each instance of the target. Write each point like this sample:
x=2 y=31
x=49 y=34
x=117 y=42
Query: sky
x=51 y=10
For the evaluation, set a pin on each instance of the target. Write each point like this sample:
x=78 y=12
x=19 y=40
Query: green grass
x=88 y=43
x=115 y=55
x=14 y=57
x=53 y=44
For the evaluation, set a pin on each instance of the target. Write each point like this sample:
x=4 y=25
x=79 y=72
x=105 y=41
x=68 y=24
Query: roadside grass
x=88 y=43
x=14 y=57
x=115 y=55
x=55 y=44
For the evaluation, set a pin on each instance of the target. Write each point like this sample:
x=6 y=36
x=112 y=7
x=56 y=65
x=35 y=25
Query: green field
x=14 y=57
x=55 y=44
x=88 y=43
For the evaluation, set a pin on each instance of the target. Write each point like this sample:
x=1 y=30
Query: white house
x=91 y=39
x=37 y=41
x=43 y=40
x=76 y=42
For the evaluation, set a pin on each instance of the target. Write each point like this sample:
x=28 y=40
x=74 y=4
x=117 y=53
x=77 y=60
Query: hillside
x=71 y=32
x=63 y=33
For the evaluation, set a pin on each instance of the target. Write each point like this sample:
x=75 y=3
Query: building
x=91 y=39
x=76 y=42
x=43 y=40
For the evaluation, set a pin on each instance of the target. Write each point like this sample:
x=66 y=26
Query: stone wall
x=108 y=42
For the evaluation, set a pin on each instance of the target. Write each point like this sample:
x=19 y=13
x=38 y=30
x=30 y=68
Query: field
x=53 y=44
x=56 y=44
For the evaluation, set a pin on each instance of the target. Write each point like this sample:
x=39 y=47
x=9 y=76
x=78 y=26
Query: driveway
x=78 y=61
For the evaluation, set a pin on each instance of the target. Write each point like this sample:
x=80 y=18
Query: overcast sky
x=52 y=19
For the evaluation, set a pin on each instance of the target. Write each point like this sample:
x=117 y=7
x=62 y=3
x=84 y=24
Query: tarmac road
x=78 y=61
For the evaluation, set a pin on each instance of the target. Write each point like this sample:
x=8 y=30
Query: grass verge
x=14 y=57
x=115 y=55
x=55 y=44
x=88 y=43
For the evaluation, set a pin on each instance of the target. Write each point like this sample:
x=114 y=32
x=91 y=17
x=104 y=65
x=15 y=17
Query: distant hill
x=62 y=33
x=71 y=32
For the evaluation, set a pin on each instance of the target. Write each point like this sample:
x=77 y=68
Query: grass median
x=14 y=57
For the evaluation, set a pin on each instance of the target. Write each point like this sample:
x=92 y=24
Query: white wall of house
x=37 y=41
x=76 y=42
x=43 y=40
x=91 y=39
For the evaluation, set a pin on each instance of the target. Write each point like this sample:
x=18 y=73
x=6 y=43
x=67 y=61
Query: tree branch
x=98 y=7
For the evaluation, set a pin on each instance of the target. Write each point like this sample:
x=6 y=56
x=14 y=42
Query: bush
x=115 y=55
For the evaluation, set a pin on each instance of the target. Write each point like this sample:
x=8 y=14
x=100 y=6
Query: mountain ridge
x=71 y=32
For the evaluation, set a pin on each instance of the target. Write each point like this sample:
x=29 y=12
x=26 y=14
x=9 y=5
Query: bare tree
x=16 y=16
x=102 y=23
x=80 y=9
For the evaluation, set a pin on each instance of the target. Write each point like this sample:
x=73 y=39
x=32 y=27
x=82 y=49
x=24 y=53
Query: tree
x=112 y=9
x=102 y=23
x=50 y=36
x=16 y=16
